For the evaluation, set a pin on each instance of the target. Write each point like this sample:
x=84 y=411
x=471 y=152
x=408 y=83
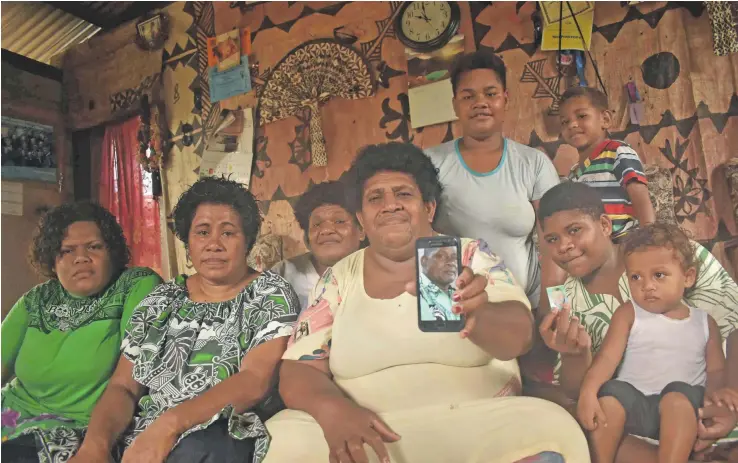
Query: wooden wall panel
x=32 y=98
x=105 y=77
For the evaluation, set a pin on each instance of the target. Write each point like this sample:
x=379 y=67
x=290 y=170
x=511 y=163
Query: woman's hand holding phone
x=469 y=296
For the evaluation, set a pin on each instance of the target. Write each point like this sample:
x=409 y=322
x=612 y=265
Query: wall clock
x=426 y=26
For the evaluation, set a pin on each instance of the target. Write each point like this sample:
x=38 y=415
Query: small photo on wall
x=224 y=51
x=27 y=151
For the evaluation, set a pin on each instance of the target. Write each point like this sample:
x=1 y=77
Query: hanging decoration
x=308 y=77
x=567 y=25
x=636 y=110
x=152 y=31
x=580 y=62
x=150 y=148
x=537 y=25
x=571 y=52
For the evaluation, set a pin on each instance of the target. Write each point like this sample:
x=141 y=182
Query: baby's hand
x=565 y=336
x=590 y=413
x=725 y=397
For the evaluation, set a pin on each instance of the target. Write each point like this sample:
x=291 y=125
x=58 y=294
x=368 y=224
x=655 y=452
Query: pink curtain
x=126 y=191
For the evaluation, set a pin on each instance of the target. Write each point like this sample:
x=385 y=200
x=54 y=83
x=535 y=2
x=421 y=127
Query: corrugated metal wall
x=39 y=31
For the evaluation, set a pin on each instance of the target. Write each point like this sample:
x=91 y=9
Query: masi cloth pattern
x=309 y=76
x=724 y=20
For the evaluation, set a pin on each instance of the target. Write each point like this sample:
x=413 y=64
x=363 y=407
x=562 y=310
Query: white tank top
x=661 y=350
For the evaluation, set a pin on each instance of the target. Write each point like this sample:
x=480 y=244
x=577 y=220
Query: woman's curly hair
x=332 y=192
x=662 y=235
x=395 y=157
x=217 y=190
x=52 y=229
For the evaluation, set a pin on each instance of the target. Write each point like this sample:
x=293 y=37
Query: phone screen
x=438 y=269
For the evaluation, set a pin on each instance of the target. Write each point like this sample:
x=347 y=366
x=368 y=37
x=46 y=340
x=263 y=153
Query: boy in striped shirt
x=611 y=166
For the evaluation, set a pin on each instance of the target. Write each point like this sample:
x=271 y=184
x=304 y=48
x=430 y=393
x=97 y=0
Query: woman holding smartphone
x=359 y=370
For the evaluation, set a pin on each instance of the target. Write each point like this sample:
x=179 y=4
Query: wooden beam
x=137 y=9
x=79 y=10
x=107 y=21
x=31 y=65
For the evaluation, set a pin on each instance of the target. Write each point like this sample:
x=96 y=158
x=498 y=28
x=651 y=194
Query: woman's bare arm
x=113 y=412
x=503 y=329
x=307 y=385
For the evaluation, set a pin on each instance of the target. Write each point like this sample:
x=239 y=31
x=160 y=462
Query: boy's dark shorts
x=642 y=417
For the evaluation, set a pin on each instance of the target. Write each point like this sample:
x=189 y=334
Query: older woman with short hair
x=201 y=352
x=359 y=371
x=62 y=339
x=331 y=233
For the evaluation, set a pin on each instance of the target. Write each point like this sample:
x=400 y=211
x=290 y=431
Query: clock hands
x=425 y=15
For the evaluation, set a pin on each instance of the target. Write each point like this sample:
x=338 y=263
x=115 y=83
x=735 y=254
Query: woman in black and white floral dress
x=201 y=352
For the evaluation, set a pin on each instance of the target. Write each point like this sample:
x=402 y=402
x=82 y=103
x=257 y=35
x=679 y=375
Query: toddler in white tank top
x=662 y=353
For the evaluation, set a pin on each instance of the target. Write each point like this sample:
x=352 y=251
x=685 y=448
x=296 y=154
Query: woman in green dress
x=61 y=340
x=201 y=352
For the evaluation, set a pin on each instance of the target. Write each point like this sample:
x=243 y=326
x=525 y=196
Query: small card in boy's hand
x=556 y=297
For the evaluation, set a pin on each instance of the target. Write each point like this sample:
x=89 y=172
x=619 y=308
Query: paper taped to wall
x=431 y=104
x=218 y=160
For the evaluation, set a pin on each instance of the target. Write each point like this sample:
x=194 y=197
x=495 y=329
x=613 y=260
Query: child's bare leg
x=635 y=449
x=678 y=428
x=605 y=440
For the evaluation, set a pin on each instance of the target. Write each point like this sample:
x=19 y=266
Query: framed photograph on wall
x=27 y=151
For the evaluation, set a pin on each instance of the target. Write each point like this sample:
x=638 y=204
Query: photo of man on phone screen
x=438 y=273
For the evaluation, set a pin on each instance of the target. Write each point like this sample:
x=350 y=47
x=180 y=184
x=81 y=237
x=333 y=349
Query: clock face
x=424 y=22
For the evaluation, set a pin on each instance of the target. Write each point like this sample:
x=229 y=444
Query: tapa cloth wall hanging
x=724 y=20
x=309 y=76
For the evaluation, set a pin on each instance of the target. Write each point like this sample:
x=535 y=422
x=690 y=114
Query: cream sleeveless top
x=379 y=356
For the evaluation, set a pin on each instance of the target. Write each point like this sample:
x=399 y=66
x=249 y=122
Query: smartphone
x=438 y=265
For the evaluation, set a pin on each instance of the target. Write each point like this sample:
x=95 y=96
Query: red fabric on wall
x=125 y=190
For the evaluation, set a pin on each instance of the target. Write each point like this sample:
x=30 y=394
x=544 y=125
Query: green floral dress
x=181 y=348
x=62 y=350
x=714 y=292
